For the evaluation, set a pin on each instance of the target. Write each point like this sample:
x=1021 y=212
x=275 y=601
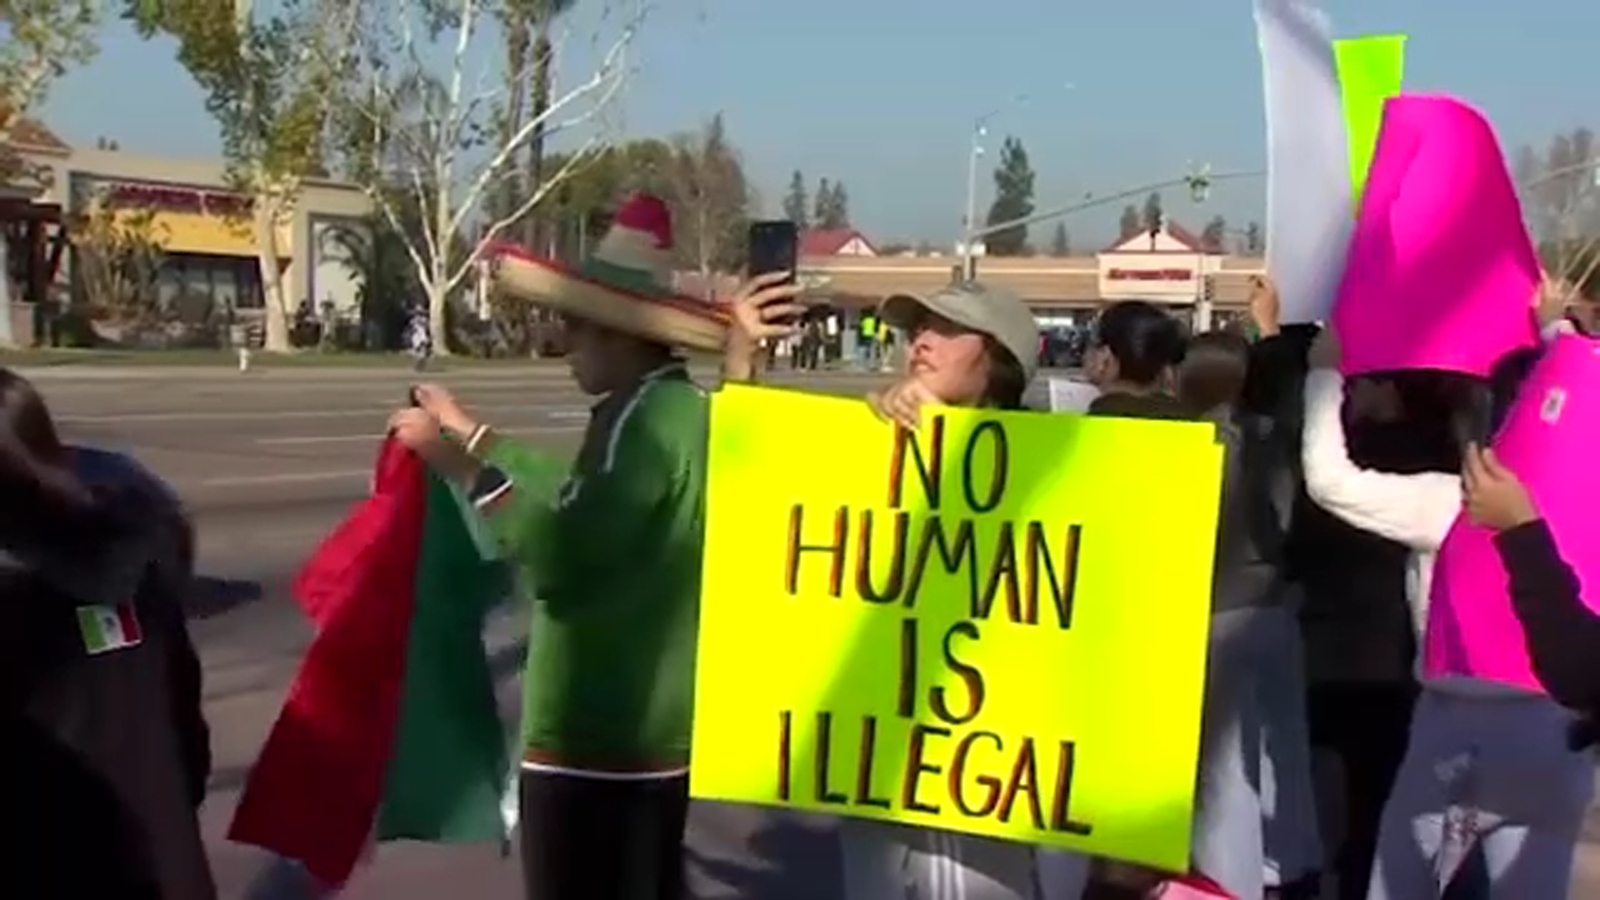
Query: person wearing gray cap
x=970 y=345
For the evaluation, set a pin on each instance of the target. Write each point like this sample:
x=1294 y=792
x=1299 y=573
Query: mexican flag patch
x=107 y=628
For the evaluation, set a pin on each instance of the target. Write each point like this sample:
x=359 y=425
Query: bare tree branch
x=431 y=140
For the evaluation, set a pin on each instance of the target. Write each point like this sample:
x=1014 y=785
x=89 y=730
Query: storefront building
x=1168 y=268
x=207 y=235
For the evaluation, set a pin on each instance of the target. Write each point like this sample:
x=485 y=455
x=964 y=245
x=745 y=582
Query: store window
x=220 y=283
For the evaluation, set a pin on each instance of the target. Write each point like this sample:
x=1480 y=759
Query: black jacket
x=1354 y=619
x=105 y=755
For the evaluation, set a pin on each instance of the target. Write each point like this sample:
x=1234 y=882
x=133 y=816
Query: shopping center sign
x=1169 y=277
x=178 y=199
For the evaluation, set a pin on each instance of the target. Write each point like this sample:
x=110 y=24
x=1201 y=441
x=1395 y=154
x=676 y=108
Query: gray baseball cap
x=974 y=305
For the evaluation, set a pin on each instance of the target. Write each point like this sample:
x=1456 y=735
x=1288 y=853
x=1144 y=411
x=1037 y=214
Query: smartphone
x=774 y=247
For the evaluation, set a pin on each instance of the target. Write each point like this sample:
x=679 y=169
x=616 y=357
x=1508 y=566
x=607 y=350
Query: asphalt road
x=269 y=461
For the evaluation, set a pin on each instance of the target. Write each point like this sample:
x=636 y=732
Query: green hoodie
x=612 y=558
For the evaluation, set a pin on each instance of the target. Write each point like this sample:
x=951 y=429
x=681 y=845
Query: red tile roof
x=829 y=241
x=33 y=135
x=1177 y=232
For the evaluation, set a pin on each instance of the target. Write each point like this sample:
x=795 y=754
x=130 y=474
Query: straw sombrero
x=626 y=283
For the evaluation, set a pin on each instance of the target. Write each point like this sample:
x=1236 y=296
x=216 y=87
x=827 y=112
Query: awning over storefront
x=192 y=220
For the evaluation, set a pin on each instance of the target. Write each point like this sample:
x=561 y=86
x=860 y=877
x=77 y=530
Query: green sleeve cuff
x=516 y=519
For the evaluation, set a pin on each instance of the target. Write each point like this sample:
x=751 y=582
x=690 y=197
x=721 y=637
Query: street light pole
x=969 y=225
x=1198 y=182
x=969 y=260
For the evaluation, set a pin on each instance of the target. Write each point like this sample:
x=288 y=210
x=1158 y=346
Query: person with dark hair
x=1213 y=373
x=969 y=345
x=1353 y=618
x=1135 y=351
x=1461 y=784
x=1255 y=817
x=106 y=749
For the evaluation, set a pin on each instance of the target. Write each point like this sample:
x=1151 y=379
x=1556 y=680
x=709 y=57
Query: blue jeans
x=1494 y=771
x=1255 y=810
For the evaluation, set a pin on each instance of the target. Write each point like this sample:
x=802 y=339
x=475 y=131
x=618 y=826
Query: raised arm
x=1563 y=636
x=1415 y=510
x=764 y=310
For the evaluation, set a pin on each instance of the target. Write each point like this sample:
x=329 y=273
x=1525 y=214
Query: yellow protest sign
x=996 y=625
x=1371 y=70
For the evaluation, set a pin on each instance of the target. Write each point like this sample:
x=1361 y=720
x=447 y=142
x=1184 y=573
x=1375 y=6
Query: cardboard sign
x=1308 y=168
x=959 y=628
x=1442 y=273
x=1549 y=440
x=1371 y=70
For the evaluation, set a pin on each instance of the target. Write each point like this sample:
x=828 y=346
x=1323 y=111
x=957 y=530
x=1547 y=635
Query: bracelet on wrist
x=475 y=438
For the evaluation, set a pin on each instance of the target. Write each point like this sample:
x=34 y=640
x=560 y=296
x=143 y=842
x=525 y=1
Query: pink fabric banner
x=1549 y=439
x=1441 y=271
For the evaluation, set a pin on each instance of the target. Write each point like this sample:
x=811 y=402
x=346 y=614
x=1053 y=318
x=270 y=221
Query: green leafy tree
x=411 y=117
x=374 y=252
x=1562 y=200
x=820 y=201
x=1060 y=243
x=580 y=210
x=710 y=199
x=1131 y=225
x=119 y=256
x=795 y=208
x=1152 y=218
x=1255 y=243
x=1013 y=199
x=1214 y=237
x=833 y=206
x=527 y=30
x=267 y=79
x=42 y=39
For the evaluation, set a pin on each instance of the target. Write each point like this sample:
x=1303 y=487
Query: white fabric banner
x=1309 y=212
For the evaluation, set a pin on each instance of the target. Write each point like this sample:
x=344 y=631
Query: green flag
x=1370 y=72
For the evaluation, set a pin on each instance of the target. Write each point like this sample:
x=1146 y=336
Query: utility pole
x=969 y=258
x=969 y=225
x=1198 y=182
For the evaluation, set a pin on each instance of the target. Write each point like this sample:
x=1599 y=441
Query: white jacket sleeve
x=1415 y=510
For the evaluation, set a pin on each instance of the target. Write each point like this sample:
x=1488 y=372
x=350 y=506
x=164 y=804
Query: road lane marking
x=215 y=416
x=343 y=438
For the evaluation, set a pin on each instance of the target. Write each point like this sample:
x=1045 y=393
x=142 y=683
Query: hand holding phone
x=774 y=246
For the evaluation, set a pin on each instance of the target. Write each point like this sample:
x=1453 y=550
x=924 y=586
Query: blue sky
x=882 y=93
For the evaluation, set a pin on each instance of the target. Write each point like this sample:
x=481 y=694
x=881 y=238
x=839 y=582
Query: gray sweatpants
x=883 y=861
x=1489 y=770
x=1255 y=810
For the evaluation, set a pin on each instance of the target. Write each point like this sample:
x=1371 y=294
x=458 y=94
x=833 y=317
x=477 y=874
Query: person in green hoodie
x=610 y=552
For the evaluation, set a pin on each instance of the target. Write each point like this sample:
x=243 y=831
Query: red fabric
x=1191 y=887
x=649 y=214
x=314 y=792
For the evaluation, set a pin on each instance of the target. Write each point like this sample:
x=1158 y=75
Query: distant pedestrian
x=420 y=339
